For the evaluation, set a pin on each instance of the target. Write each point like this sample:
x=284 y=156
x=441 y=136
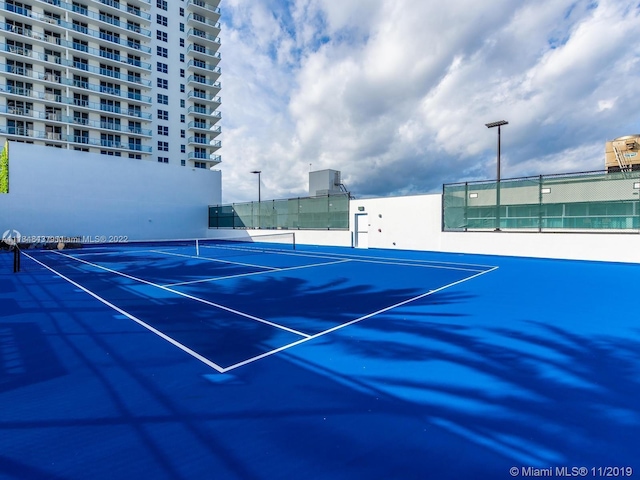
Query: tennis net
x=11 y=246
x=275 y=241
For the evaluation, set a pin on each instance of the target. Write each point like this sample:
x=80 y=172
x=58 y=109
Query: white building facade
x=136 y=79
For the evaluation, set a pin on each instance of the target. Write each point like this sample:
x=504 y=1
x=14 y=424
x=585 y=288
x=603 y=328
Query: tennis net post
x=16 y=258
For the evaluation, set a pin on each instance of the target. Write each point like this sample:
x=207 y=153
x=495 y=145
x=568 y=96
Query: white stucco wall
x=414 y=223
x=57 y=192
x=65 y=193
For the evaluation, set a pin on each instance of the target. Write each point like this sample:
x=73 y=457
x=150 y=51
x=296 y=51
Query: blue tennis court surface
x=260 y=362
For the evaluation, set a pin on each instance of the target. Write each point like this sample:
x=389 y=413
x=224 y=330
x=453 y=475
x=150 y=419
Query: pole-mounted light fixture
x=258 y=172
x=498 y=124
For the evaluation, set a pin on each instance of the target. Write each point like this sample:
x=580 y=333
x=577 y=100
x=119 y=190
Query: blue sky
x=396 y=93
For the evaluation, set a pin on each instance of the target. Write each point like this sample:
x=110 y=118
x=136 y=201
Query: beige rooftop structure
x=621 y=154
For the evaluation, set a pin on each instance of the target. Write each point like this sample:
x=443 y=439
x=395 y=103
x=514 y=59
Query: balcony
x=17 y=90
x=122 y=128
x=203 y=24
x=204 y=67
x=198 y=50
x=16 y=70
x=16 y=50
x=18 y=131
x=129 y=12
x=54 y=136
x=106 y=143
x=203 y=126
x=115 y=39
x=128 y=9
x=203 y=7
x=198 y=156
x=114 y=57
x=203 y=141
x=196 y=35
x=8 y=7
x=114 y=91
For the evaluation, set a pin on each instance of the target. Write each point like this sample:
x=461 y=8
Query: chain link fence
x=589 y=201
x=329 y=212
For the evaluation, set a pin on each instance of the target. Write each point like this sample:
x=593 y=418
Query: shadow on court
x=454 y=385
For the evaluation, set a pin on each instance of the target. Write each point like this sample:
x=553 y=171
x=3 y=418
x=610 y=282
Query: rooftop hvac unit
x=324 y=182
x=621 y=154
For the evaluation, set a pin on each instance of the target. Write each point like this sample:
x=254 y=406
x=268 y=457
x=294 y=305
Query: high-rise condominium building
x=130 y=78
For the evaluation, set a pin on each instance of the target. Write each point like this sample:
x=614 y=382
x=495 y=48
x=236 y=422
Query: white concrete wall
x=414 y=223
x=57 y=192
x=66 y=193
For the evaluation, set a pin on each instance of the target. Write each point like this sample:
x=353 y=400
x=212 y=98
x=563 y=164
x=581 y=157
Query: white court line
x=117 y=252
x=466 y=267
x=417 y=262
x=275 y=270
x=186 y=295
x=212 y=259
x=364 y=317
x=182 y=347
x=434 y=263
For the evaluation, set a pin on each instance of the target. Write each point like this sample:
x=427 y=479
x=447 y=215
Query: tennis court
x=231 y=360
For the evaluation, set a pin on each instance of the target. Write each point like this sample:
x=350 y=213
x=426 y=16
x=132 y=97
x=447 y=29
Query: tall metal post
x=492 y=125
x=259 y=199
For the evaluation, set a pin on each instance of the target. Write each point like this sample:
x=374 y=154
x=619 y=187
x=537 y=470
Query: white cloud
x=395 y=93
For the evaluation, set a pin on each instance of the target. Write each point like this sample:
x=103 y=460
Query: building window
x=163 y=160
x=163 y=146
x=163 y=99
x=200 y=164
x=182 y=27
x=162 y=36
x=79 y=8
x=183 y=163
x=162 y=130
x=182 y=119
x=161 y=4
x=181 y=42
x=162 y=83
x=162 y=52
x=182 y=57
x=183 y=148
x=182 y=104
x=182 y=72
x=163 y=115
x=161 y=20
x=182 y=134
x=181 y=12
x=162 y=67
x=182 y=88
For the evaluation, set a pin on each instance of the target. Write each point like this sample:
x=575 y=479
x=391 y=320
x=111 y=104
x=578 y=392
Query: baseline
x=182 y=294
x=157 y=332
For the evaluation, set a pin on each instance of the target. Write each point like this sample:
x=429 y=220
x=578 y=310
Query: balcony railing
x=202 y=36
x=106 y=54
x=203 y=4
x=203 y=50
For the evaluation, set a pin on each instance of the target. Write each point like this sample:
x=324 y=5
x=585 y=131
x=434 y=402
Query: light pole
x=258 y=172
x=259 y=199
x=492 y=125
